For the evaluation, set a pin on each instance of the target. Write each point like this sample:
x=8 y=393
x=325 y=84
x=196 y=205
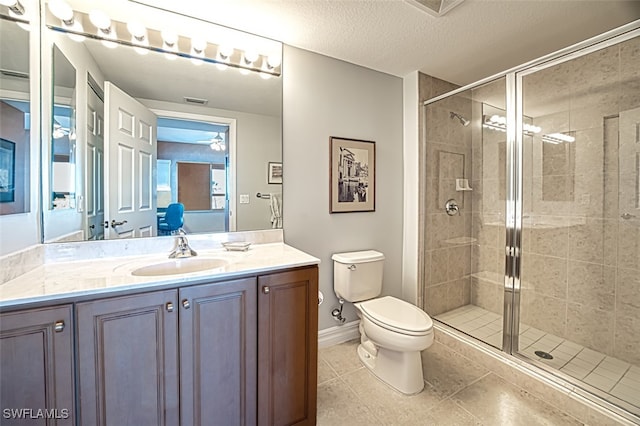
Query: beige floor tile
x=343 y=358
x=448 y=371
x=388 y=405
x=325 y=372
x=494 y=401
x=448 y=413
x=339 y=405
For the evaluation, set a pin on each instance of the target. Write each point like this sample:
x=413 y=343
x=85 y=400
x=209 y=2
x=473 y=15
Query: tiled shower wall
x=445 y=156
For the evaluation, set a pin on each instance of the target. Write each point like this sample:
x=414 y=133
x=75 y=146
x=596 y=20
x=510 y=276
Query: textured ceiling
x=476 y=39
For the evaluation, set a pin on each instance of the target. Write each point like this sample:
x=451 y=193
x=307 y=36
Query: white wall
x=326 y=97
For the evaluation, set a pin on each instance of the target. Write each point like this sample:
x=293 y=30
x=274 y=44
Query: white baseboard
x=338 y=334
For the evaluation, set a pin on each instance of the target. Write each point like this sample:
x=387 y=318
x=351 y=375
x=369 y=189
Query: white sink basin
x=180 y=266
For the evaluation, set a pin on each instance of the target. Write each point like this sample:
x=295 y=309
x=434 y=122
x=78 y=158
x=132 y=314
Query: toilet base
x=400 y=370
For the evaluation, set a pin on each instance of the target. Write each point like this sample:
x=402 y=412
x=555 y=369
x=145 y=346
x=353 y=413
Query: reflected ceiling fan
x=216 y=143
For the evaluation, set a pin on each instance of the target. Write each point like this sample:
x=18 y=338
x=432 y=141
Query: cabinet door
x=288 y=347
x=128 y=360
x=218 y=354
x=36 y=367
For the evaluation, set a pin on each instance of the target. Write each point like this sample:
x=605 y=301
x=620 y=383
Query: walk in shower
x=531 y=214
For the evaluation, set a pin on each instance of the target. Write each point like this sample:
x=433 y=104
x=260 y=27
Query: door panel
x=218 y=354
x=36 y=364
x=94 y=194
x=132 y=152
x=128 y=360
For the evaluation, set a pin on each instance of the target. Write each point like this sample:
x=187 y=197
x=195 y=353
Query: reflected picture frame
x=274 y=173
x=352 y=176
x=7 y=171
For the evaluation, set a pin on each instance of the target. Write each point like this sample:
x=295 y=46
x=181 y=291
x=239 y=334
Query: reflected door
x=95 y=167
x=131 y=146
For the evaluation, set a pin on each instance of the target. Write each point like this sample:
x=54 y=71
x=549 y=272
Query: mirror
x=15 y=117
x=155 y=127
x=63 y=134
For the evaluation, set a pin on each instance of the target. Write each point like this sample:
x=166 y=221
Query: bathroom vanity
x=234 y=346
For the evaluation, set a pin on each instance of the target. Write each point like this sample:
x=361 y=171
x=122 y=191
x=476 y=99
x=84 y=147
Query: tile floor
x=611 y=375
x=457 y=392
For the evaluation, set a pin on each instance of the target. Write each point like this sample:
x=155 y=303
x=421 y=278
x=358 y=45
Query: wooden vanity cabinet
x=129 y=347
x=127 y=360
x=288 y=347
x=36 y=367
x=238 y=352
x=218 y=347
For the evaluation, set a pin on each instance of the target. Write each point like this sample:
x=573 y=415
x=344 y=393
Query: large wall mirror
x=15 y=114
x=165 y=112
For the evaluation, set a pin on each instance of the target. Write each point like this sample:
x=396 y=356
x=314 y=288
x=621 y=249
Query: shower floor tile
x=608 y=374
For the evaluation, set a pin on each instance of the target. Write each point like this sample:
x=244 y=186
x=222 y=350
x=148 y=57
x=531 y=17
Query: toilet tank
x=357 y=275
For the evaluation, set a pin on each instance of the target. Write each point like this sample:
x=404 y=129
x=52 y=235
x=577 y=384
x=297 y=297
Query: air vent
x=196 y=101
x=16 y=74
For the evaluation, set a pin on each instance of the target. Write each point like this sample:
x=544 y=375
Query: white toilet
x=393 y=332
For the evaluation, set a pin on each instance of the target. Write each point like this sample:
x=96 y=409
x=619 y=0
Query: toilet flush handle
x=352 y=267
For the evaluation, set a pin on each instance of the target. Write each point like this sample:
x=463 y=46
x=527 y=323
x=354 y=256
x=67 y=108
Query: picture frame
x=7 y=171
x=274 y=173
x=352 y=185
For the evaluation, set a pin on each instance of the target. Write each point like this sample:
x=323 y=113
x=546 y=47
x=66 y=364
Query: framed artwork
x=352 y=186
x=7 y=171
x=274 y=174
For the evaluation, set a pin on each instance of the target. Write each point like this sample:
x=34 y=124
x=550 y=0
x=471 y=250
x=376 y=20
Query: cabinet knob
x=169 y=307
x=186 y=304
x=58 y=326
x=266 y=289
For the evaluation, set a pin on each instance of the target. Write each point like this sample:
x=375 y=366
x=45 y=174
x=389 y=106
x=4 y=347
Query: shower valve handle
x=451 y=207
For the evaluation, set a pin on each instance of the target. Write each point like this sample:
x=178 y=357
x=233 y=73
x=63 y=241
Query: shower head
x=463 y=120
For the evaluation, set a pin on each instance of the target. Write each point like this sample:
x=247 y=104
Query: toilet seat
x=397 y=315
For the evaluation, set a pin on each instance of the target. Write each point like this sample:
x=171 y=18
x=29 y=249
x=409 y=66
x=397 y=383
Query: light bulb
x=100 y=19
x=61 y=10
x=274 y=61
x=225 y=52
x=8 y=3
x=170 y=44
x=250 y=56
x=198 y=46
x=137 y=30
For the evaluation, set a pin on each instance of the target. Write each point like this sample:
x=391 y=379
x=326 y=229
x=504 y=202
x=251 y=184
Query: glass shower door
x=580 y=253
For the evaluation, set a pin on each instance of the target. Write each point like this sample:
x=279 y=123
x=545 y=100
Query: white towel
x=276 y=210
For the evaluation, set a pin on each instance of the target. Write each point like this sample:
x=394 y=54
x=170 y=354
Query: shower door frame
x=514 y=182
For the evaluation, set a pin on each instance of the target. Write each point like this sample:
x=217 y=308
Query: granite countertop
x=69 y=281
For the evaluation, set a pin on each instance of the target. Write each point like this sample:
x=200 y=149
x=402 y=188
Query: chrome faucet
x=182 y=248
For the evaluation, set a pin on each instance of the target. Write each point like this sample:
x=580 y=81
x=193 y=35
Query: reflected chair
x=172 y=220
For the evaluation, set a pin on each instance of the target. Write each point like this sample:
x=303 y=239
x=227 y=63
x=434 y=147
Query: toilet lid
x=397 y=314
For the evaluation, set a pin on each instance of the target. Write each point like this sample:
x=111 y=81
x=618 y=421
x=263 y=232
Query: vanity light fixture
x=499 y=123
x=258 y=55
